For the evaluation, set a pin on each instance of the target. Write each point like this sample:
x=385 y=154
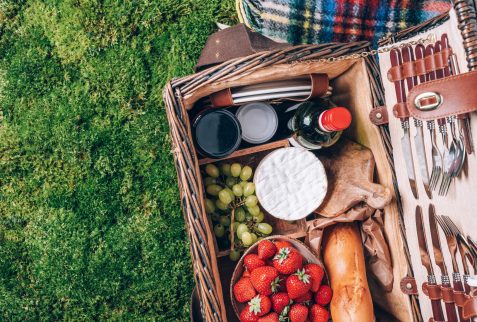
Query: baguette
x=344 y=260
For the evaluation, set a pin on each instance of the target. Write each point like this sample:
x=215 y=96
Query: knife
x=439 y=260
x=408 y=56
x=396 y=60
x=426 y=262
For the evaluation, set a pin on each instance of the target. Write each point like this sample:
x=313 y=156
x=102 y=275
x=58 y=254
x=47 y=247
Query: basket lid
x=234 y=42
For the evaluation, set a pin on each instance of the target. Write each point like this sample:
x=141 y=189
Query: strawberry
x=316 y=272
x=304 y=299
x=266 y=249
x=265 y=280
x=270 y=317
x=247 y=315
x=279 y=244
x=324 y=295
x=243 y=290
x=251 y=262
x=298 y=313
x=288 y=260
x=246 y=273
x=279 y=301
x=260 y=305
x=319 y=314
x=298 y=284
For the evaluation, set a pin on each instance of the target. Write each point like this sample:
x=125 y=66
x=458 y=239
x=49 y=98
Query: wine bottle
x=317 y=124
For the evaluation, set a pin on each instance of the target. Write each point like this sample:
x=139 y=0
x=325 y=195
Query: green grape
x=248 y=217
x=254 y=237
x=253 y=210
x=225 y=169
x=219 y=230
x=235 y=169
x=209 y=180
x=224 y=196
x=230 y=181
x=242 y=228
x=219 y=204
x=213 y=189
x=247 y=239
x=215 y=217
x=243 y=183
x=237 y=190
x=248 y=189
x=231 y=193
x=212 y=170
x=259 y=218
x=234 y=255
x=264 y=228
x=209 y=206
x=250 y=201
x=246 y=173
x=239 y=214
x=224 y=220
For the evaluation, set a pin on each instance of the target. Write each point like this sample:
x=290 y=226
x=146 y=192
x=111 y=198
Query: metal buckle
x=428 y=101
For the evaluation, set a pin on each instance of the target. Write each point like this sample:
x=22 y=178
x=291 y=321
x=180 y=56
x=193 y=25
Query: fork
x=452 y=244
x=436 y=157
x=464 y=250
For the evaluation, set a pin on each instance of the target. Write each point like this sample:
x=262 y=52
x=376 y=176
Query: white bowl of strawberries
x=280 y=279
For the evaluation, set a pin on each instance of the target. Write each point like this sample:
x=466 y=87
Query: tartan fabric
x=322 y=21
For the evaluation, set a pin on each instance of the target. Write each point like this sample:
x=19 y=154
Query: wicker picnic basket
x=182 y=93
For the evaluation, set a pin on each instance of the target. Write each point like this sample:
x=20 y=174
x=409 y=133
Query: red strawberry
x=279 y=301
x=265 y=280
x=279 y=244
x=298 y=313
x=251 y=262
x=324 y=295
x=304 y=299
x=246 y=273
x=266 y=249
x=298 y=284
x=270 y=317
x=243 y=290
x=288 y=260
x=319 y=314
x=316 y=272
x=260 y=305
x=247 y=315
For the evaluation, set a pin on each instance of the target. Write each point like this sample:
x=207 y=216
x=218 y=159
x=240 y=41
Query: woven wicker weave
x=206 y=274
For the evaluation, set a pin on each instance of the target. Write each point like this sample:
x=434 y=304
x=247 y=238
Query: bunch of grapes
x=233 y=206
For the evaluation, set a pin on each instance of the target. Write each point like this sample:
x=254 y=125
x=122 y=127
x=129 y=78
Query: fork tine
x=451 y=225
x=443 y=225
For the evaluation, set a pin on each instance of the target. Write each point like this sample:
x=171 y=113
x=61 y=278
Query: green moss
x=90 y=220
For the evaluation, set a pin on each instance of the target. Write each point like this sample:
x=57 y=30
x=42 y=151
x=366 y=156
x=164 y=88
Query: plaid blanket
x=321 y=21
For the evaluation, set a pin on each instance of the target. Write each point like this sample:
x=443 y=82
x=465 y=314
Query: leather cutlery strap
x=432 y=291
x=420 y=67
x=447 y=294
x=443 y=97
x=400 y=110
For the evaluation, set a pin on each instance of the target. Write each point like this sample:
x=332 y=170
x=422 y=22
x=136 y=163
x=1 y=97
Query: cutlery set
x=417 y=65
x=453 y=295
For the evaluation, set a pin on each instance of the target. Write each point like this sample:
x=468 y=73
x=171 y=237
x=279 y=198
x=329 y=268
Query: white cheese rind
x=290 y=183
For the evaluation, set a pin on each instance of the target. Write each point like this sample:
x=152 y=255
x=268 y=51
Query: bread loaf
x=344 y=260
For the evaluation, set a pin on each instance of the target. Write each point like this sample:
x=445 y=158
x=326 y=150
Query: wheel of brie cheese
x=290 y=183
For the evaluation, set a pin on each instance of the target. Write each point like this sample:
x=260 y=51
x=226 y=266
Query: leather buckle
x=428 y=101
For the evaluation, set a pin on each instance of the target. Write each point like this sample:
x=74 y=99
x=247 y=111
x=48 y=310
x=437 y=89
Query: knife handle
x=458 y=286
x=450 y=306
x=466 y=284
x=437 y=313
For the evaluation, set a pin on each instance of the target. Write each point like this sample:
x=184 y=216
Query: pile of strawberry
x=278 y=286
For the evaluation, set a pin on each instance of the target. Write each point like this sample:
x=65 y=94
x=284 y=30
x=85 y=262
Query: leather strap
x=400 y=110
x=432 y=291
x=222 y=98
x=319 y=87
x=460 y=298
x=408 y=286
x=432 y=320
x=469 y=310
x=447 y=294
x=379 y=116
x=450 y=90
